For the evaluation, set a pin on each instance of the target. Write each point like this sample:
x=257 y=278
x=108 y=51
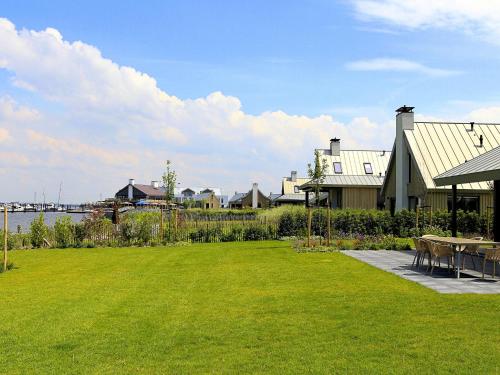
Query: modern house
x=353 y=177
x=290 y=191
x=206 y=200
x=134 y=192
x=425 y=150
x=252 y=199
x=195 y=193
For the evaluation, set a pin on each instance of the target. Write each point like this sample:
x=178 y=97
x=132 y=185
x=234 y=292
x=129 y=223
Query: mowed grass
x=255 y=307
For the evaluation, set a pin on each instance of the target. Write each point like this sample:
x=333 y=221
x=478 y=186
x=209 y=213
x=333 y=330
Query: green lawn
x=233 y=308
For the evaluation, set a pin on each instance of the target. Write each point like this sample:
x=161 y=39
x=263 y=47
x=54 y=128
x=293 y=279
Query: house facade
x=134 y=192
x=290 y=191
x=424 y=150
x=251 y=199
x=353 y=179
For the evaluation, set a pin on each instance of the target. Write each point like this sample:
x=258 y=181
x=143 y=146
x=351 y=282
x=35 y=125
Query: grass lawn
x=233 y=308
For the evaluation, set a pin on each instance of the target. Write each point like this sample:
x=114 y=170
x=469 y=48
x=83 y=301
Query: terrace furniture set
x=455 y=250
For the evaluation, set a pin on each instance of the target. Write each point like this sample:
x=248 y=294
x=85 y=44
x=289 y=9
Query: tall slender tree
x=169 y=180
x=317 y=174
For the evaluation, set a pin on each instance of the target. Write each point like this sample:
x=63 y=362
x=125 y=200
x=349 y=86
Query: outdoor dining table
x=459 y=245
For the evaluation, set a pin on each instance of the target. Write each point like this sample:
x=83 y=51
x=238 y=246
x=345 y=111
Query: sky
x=93 y=93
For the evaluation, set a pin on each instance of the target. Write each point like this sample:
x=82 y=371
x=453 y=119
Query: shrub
x=254 y=233
x=64 y=231
x=38 y=231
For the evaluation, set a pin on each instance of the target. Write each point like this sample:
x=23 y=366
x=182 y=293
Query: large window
x=368 y=168
x=337 y=167
x=465 y=203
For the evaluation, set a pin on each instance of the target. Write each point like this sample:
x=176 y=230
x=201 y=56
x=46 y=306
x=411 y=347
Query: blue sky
x=304 y=69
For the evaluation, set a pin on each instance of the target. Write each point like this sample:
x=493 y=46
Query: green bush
x=64 y=232
x=38 y=231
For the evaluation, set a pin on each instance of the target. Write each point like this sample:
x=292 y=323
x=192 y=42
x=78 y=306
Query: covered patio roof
x=485 y=167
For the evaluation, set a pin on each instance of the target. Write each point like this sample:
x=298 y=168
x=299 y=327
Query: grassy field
x=250 y=307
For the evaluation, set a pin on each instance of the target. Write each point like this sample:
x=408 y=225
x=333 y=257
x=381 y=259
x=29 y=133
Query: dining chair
x=439 y=251
x=421 y=248
x=493 y=255
x=472 y=251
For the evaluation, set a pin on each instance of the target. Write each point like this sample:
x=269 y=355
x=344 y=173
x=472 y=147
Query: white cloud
x=114 y=122
x=398 y=65
x=479 y=17
x=485 y=114
x=4 y=135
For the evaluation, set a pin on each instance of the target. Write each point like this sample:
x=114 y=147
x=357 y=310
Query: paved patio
x=399 y=263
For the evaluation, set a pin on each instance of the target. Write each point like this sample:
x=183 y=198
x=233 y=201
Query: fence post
x=328 y=238
x=161 y=223
x=5 y=232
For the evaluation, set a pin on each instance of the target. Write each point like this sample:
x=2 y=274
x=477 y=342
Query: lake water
x=24 y=219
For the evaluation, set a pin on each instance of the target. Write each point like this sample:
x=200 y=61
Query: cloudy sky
x=93 y=93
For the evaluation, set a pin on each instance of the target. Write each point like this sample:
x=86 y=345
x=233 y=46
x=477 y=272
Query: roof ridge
x=456 y=122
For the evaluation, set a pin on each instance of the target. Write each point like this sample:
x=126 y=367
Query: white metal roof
x=485 y=167
x=339 y=180
x=438 y=147
x=353 y=161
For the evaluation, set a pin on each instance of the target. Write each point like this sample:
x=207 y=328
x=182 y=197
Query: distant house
x=354 y=177
x=206 y=200
x=194 y=193
x=202 y=197
x=424 y=150
x=134 y=192
x=252 y=199
x=290 y=191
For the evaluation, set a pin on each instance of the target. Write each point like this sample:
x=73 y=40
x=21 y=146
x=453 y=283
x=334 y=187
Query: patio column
x=307 y=199
x=496 y=210
x=454 y=210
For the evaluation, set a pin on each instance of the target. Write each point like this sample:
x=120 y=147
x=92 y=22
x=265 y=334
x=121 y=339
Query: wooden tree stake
x=5 y=231
x=309 y=219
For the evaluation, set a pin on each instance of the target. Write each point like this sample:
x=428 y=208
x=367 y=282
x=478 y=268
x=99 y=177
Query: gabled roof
x=339 y=180
x=438 y=147
x=300 y=197
x=150 y=190
x=353 y=161
x=485 y=167
x=237 y=197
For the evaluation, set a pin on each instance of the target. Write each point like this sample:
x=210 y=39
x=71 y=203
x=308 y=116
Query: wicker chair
x=472 y=251
x=493 y=255
x=421 y=248
x=439 y=251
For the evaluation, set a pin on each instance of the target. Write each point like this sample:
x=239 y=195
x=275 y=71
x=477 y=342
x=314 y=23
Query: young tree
x=169 y=180
x=317 y=173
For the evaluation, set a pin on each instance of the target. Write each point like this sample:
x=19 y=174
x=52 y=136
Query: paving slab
x=442 y=281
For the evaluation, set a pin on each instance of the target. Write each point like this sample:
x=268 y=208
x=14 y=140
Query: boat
x=16 y=207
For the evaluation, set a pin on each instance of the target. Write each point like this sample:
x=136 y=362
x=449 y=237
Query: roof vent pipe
x=481 y=140
x=472 y=126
